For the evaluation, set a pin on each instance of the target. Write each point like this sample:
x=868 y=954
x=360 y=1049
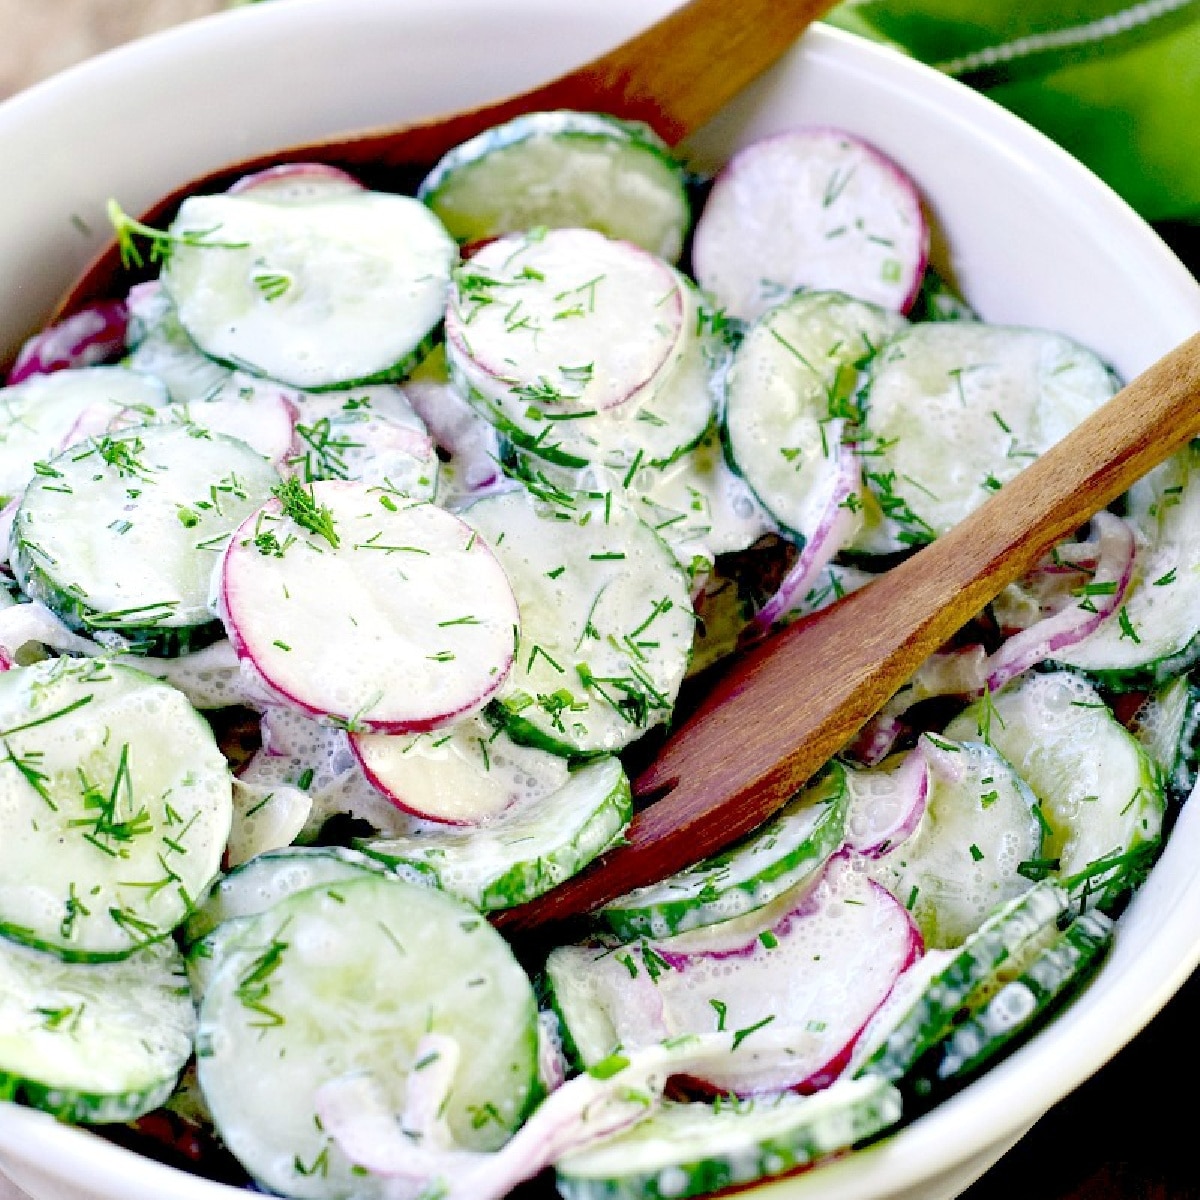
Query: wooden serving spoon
x=784 y=709
x=675 y=76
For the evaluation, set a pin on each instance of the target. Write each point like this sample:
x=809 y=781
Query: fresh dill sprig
x=300 y=504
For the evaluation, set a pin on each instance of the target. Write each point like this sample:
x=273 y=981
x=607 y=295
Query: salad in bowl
x=359 y=550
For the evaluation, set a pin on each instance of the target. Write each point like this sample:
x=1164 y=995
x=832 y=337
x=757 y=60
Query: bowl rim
x=1024 y=1085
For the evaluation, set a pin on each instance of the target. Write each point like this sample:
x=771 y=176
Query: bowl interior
x=1029 y=235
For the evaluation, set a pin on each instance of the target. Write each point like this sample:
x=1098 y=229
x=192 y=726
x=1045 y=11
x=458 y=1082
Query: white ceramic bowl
x=1029 y=235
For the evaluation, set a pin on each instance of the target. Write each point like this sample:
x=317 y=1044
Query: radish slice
x=295 y=183
x=1097 y=600
x=93 y=335
x=812 y=208
x=795 y=997
x=379 y=613
x=837 y=526
x=569 y=320
x=886 y=805
x=258 y=411
x=462 y=775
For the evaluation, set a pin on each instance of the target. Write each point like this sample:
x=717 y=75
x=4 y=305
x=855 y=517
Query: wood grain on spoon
x=675 y=76
x=788 y=706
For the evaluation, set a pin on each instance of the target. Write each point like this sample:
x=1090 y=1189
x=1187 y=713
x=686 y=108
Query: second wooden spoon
x=787 y=707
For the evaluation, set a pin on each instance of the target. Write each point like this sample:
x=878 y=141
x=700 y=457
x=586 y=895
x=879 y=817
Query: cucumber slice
x=955 y=409
x=563 y=169
x=121 y=534
x=1154 y=634
x=1049 y=979
x=160 y=346
x=386 y=614
x=349 y=977
x=253 y=887
x=262 y=881
x=979 y=829
x=694 y=1149
x=606 y=623
x=1101 y=797
x=1166 y=725
x=344 y=290
x=791 y=847
x=115 y=802
x=466 y=774
x=37 y=416
x=526 y=850
x=95 y=1043
x=789 y=392
x=931 y=1015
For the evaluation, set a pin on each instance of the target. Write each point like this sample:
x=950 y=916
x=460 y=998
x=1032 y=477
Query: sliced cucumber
x=930 y=1016
x=789 y=392
x=160 y=346
x=95 y=1043
x=1049 y=979
x=526 y=850
x=978 y=830
x=1166 y=725
x=115 y=804
x=794 y=845
x=606 y=623
x=262 y=881
x=1100 y=794
x=37 y=417
x=1153 y=635
x=694 y=1149
x=121 y=534
x=955 y=409
x=254 y=886
x=563 y=169
x=344 y=290
x=349 y=977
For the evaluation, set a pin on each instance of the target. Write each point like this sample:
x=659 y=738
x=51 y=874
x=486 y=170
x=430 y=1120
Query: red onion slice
x=835 y=528
x=886 y=806
x=1092 y=604
x=92 y=336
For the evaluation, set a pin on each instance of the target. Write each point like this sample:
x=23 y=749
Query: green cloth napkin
x=1116 y=84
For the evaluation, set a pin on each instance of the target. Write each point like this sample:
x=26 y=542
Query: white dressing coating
x=396 y=618
x=322 y=294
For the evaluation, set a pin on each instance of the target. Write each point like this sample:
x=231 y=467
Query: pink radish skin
x=90 y=337
x=415 y=569
x=777 y=214
x=627 y=364
x=295 y=183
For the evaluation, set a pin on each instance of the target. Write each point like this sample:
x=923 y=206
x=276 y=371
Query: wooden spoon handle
x=676 y=75
x=788 y=706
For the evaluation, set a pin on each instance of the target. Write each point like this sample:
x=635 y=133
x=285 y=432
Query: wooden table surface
x=1129 y=1132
